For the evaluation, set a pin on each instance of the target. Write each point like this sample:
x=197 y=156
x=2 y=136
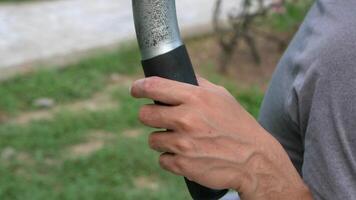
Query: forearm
x=270 y=173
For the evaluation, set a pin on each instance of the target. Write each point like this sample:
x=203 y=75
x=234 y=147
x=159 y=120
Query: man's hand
x=213 y=141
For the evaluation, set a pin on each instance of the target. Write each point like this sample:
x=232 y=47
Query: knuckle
x=184 y=145
x=163 y=162
x=180 y=164
x=185 y=122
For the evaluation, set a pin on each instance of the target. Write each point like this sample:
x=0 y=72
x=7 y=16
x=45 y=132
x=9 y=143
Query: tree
x=241 y=26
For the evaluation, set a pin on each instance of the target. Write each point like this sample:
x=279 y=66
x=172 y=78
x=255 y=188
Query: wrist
x=271 y=187
x=304 y=193
x=270 y=174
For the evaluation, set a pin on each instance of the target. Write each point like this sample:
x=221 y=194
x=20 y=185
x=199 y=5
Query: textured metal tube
x=156 y=27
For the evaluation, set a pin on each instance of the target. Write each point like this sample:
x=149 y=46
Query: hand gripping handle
x=176 y=65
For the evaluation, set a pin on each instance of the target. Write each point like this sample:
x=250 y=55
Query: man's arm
x=213 y=141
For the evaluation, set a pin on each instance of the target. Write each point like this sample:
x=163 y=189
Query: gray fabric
x=310 y=106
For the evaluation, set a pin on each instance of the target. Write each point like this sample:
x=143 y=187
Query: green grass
x=74 y=82
x=108 y=173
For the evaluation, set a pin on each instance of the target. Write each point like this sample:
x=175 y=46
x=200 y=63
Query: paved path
x=45 y=29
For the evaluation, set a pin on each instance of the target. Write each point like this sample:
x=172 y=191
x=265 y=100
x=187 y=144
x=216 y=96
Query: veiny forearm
x=272 y=174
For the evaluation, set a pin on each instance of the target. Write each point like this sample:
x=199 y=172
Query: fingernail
x=139 y=82
x=137 y=85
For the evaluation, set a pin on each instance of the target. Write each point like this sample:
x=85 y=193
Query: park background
x=68 y=126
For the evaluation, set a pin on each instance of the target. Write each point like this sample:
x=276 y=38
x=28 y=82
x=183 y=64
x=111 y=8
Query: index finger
x=163 y=90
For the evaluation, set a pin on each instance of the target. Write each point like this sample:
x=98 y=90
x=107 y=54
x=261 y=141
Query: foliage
x=252 y=21
x=292 y=16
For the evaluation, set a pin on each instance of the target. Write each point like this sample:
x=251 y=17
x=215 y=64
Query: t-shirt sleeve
x=310 y=106
x=327 y=119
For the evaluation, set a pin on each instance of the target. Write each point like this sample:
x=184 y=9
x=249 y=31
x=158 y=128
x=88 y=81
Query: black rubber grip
x=176 y=65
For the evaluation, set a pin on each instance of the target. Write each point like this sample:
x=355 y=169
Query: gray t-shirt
x=310 y=106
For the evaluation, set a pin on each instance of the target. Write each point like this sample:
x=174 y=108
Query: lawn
x=89 y=145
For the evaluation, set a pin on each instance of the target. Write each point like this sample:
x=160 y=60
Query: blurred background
x=68 y=126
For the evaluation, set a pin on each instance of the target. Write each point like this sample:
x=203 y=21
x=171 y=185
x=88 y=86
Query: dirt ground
x=205 y=51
